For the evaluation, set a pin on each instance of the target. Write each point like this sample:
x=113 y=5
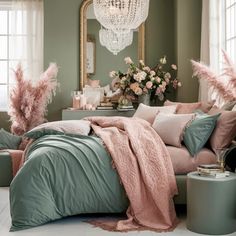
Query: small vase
x=145 y=99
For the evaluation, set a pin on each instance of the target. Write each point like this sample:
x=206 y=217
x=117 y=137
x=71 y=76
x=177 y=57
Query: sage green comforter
x=63 y=176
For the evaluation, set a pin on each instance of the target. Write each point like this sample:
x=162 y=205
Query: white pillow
x=59 y=127
x=148 y=113
x=170 y=127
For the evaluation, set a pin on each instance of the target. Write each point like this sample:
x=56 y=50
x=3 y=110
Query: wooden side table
x=211 y=204
x=68 y=114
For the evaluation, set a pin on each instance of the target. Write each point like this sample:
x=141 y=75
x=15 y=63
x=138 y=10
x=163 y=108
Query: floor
x=74 y=226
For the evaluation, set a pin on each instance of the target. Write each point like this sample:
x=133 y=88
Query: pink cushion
x=148 y=113
x=65 y=126
x=171 y=127
x=186 y=108
x=184 y=163
x=225 y=130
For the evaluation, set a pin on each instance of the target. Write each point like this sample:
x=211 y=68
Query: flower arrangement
x=141 y=79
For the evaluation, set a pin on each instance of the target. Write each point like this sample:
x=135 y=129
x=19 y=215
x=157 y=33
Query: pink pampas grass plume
x=229 y=71
x=204 y=72
x=28 y=103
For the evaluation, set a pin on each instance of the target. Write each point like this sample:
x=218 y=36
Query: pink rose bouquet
x=141 y=79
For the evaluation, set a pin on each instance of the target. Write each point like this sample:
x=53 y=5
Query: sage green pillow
x=199 y=131
x=8 y=140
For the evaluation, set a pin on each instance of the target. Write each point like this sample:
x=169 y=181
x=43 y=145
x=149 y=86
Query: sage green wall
x=188 y=39
x=61 y=44
x=105 y=60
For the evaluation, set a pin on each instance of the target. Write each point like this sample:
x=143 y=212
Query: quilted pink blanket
x=144 y=166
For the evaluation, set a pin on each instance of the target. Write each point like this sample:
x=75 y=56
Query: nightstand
x=211 y=204
x=68 y=114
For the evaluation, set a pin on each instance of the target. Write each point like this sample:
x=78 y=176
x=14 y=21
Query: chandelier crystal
x=119 y=18
x=121 y=15
x=115 y=41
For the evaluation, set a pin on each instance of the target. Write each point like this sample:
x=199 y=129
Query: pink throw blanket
x=144 y=166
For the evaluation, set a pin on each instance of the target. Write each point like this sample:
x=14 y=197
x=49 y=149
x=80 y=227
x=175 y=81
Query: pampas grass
x=28 y=102
x=224 y=91
x=229 y=71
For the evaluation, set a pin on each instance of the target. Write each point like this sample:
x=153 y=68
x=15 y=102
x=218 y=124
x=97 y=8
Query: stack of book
x=212 y=170
x=125 y=108
x=105 y=106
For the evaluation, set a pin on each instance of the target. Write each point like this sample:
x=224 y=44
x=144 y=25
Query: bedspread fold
x=144 y=166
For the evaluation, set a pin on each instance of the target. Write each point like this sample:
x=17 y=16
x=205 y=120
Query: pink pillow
x=81 y=127
x=171 y=127
x=225 y=130
x=148 y=113
x=186 y=108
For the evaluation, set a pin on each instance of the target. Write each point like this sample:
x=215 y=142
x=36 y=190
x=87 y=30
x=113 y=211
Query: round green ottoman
x=211 y=204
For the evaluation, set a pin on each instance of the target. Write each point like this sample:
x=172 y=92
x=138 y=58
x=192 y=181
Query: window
x=4 y=56
x=228 y=27
x=21 y=40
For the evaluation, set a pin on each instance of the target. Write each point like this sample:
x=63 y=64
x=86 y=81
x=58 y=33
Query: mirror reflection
x=95 y=60
x=102 y=60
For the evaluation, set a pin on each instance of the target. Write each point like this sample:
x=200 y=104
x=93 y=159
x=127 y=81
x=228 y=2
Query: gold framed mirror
x=140 y=46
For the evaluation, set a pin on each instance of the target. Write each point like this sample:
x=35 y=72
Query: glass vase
x=145 y=99
x=221 y=154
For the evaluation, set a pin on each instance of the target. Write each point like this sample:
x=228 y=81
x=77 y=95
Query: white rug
x=73 y=226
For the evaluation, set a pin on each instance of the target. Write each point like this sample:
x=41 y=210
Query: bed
x=70 y=174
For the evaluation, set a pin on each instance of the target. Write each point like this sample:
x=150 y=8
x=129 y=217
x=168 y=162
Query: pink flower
x=138 y=91
x=146 y=68
x=134 y=86
x=149 y=85
x=158 y=91
x=174 y=67
x=167 y=75
x=167 y=81
x=141 y=62
x=152 y=73
x=128 y=61
x=179 y=84
x=158 y=79
x=112 y=74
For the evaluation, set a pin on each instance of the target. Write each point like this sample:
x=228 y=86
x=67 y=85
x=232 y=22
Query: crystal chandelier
x=121 y=17
x=115 y=42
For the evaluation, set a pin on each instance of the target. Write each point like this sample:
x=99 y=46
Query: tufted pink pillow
x=186 y=108
x=171 y=127
x=148 y=113
x=225 y=130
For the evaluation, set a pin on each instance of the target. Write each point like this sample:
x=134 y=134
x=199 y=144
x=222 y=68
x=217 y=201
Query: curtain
x=210 y=43
x=26 y=36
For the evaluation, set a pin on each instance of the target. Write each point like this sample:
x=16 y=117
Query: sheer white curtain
x=210 y=42
x=26 y=36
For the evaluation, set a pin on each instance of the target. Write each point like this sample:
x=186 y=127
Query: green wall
x=187 y=45
x=172 y=29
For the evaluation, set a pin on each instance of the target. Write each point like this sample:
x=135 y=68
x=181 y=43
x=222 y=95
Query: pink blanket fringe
x=144 y=166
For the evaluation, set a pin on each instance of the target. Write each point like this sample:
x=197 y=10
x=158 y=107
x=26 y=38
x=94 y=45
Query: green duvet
x=63 y=176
